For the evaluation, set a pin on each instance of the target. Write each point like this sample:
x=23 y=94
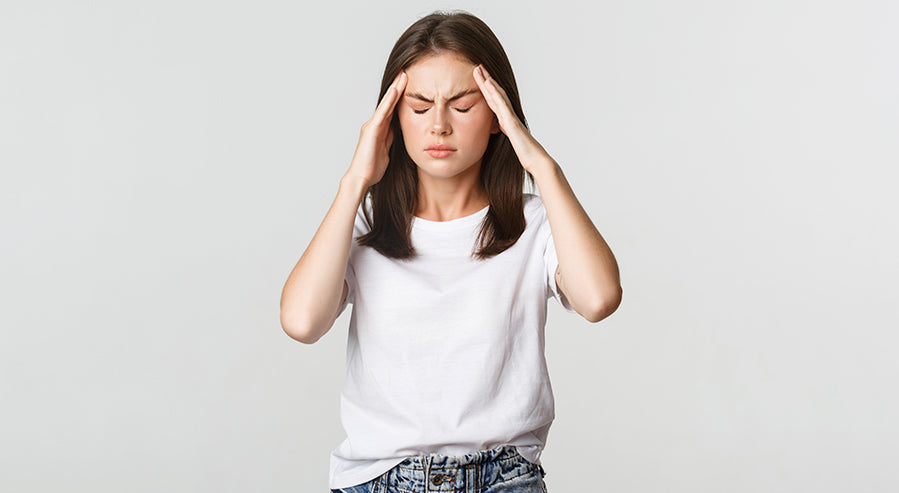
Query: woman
x=448 y=264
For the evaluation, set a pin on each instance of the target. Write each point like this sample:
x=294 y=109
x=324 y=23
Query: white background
x=165 y=164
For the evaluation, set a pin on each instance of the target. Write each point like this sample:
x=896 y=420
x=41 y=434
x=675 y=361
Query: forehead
x=440 y=75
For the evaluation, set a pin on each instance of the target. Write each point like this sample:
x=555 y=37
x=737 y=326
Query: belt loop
x=427 y=472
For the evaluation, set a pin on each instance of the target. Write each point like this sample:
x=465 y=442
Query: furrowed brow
x=421 y=97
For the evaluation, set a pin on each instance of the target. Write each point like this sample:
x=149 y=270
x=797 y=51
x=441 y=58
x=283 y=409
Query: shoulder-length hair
x=393 y=198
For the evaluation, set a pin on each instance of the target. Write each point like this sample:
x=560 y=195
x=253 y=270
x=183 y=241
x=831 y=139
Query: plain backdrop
x=165 y=164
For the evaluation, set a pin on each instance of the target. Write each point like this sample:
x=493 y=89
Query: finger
x=400 y=88
x=485 y=90
x=483 y=75
x=490 y=81
x=501 y=101
x=385 y=107
x=479 y=77
x=496 y=98
x=386 y=99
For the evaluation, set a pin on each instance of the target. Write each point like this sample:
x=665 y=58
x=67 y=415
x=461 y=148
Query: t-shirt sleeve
x=360 y=227
x=350 y=278
x=551 y=262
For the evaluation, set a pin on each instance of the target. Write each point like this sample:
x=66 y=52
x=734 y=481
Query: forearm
x=313 y=290
x=588 y=268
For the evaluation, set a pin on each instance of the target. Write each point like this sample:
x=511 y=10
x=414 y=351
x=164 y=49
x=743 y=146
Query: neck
x=448 y=199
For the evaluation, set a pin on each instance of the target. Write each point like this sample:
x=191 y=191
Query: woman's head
x=467 y=41
x=438 y=53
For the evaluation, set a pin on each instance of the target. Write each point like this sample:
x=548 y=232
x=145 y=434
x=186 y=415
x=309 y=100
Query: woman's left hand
x=527 y=148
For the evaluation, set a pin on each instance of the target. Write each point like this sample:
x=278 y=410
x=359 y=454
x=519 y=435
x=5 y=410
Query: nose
x=440 y=125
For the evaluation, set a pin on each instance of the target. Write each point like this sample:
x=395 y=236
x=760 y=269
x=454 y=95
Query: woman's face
x=442 y=104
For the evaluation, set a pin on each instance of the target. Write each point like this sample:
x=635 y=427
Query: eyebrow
x=454 y=97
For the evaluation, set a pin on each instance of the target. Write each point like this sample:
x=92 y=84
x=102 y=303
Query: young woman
x=449 y=264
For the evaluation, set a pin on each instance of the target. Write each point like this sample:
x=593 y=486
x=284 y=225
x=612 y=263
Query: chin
x=438 y=172
x=442 y=172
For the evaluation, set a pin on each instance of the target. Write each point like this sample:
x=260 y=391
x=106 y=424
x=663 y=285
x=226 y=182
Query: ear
x=494 y=127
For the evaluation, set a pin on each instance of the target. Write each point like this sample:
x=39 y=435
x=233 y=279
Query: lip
x=440 y=147
x=438 y=153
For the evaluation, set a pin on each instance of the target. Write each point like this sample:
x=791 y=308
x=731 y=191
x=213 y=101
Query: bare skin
x=316 y=287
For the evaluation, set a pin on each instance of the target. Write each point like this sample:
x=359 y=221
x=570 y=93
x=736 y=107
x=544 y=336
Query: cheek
x=481 y=121
x=408 y=120
x=405 y=122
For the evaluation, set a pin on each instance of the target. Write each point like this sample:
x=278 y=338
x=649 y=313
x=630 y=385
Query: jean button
x=438 y=480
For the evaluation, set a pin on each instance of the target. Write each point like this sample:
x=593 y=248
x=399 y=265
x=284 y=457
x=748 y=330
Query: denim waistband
x=438 y=461
x=464 y=473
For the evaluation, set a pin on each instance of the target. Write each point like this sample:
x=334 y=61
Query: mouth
x=440 y=147
x=439 y=153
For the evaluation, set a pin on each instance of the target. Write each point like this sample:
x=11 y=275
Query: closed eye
x=418 y=112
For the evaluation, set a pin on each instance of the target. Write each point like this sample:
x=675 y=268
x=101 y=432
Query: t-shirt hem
x=351 y=479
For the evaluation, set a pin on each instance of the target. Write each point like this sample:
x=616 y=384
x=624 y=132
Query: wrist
x=543 y=168
x=356 y=185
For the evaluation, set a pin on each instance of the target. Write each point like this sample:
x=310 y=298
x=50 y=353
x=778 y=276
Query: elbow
x=606 y=307
x=298 y=331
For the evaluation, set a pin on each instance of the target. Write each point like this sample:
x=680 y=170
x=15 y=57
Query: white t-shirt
x=445 y=353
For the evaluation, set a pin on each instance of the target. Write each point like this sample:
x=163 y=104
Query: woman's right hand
x=372 y=156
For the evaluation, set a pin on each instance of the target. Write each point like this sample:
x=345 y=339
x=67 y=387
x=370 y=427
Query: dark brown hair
x=393 y=198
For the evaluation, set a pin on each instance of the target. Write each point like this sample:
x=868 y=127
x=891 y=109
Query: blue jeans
x=498 y=470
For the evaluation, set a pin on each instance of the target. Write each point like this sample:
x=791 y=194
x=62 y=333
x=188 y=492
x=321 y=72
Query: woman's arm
x=315 y=288
x=588 y=272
